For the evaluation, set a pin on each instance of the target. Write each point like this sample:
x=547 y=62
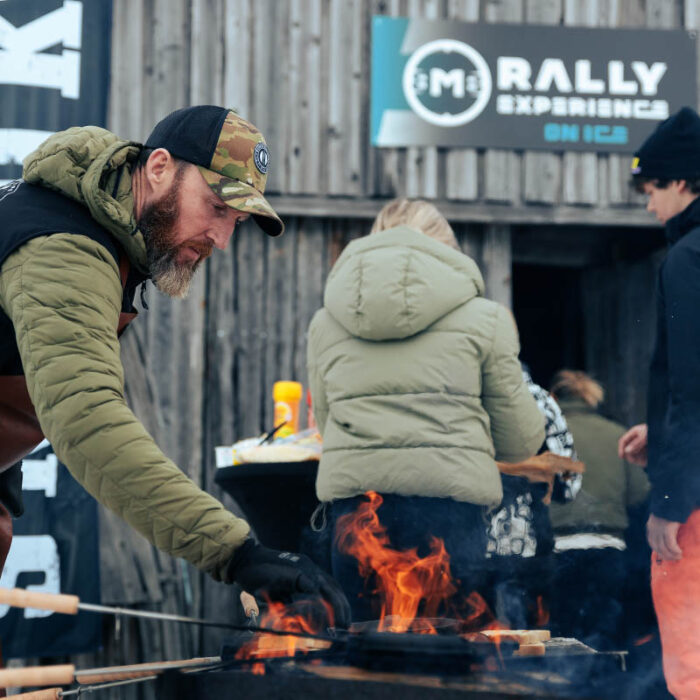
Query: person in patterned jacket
x=520 y=539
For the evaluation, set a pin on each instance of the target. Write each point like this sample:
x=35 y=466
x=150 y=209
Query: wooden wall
x=200 y=372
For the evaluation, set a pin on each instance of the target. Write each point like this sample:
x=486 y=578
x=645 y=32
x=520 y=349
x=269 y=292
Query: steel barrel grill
x=372 y=664
x=362 y=661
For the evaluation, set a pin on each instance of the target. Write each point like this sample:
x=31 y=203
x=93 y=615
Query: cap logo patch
x=261 y=157
x=635 y=166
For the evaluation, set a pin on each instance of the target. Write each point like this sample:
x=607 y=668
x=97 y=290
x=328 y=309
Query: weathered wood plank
x=691 y=17
x=282 y=281
x=662 y=14
x=237 y=49
x=496 y=264
x=309 y=297
x=304 y=134
x=470 y=238
x=249 y=344
x=345 y=98
x=269 y=99
x=124 y=113
x=206 y=52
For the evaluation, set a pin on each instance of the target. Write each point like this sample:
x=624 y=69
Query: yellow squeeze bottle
x=287 y=397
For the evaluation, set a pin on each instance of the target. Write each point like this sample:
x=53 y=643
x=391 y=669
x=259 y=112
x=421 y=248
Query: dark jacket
x=610 y=485
x=674 y=382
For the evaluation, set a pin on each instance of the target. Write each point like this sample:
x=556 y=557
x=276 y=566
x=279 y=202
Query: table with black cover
x=277 y=498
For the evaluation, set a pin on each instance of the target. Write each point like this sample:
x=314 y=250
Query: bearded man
x=94 y=217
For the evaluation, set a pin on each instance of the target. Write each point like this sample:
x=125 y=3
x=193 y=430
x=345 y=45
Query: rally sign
x=448 y=83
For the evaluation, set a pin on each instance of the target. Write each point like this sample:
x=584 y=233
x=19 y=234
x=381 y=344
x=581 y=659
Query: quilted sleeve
x=63 y=295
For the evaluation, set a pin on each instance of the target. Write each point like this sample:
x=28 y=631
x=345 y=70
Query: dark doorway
x=548 y=310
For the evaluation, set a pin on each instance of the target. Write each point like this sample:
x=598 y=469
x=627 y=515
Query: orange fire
x=407 y=583
x=309 y=619
x=412 y=591
x=409 y=586
x=542 y=613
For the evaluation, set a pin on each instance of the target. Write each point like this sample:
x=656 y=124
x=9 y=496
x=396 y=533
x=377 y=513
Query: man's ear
x=158 y=168
x=682 y=185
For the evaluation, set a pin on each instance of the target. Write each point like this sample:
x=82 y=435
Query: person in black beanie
x=667 y=169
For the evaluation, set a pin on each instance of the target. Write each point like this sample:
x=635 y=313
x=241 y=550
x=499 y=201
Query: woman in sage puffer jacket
x=417 y=390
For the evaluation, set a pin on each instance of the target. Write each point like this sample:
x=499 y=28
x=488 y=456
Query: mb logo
x=447 y=82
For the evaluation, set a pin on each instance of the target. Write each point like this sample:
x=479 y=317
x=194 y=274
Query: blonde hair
x=568 y=383
x=417 y=214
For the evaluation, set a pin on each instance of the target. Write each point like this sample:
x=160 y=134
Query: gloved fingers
x=332 y=592
x=305 y=584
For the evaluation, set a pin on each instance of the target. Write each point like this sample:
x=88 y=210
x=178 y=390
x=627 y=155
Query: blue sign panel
x=448 y=83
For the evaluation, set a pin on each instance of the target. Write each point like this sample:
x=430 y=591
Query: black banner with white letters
x=54 y=72
x=54 y=550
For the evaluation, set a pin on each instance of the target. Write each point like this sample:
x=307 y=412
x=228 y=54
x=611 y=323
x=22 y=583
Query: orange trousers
x=5 y=542
x=675 y=586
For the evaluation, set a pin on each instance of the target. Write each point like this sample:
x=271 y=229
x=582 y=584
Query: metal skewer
x=71 y=605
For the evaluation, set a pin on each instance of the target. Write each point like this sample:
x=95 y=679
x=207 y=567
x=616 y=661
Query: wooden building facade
x=559 y=236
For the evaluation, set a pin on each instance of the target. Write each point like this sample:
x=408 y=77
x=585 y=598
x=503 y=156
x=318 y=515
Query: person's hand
x=632 y=446
x=663 y=538
x=283 y=574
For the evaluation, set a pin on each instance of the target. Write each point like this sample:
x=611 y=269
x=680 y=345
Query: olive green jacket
x=63 y=295
x=414 y=376
x=610 y=485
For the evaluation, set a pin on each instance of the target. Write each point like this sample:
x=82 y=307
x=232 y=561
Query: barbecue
x=383 y=664
x=437 y=658
x=294 y=650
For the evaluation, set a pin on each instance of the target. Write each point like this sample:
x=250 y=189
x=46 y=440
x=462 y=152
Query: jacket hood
x=394 y=284
x=93 y=167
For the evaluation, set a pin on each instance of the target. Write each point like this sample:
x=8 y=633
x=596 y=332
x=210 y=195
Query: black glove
x=283 y=574
x=11 y=490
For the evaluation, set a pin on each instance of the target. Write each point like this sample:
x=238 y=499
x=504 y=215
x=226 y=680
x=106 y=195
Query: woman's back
x=414 y=375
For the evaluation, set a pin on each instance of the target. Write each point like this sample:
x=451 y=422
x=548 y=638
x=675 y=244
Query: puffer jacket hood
x=394 y=284
x=93 y=167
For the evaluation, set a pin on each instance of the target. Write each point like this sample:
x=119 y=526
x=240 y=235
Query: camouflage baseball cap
x=230 y=153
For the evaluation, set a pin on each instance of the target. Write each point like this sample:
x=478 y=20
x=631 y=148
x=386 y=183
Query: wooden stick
x=250 y=605
x=47 y=694
x=65 y=675
x=58 y=602
x=36 y=675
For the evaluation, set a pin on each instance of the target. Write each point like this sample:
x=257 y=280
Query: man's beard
x=157 y=224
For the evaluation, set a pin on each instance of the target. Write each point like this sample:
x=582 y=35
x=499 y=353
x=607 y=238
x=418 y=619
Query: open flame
x=306 y=618
x=413 y=592
x=407 y=584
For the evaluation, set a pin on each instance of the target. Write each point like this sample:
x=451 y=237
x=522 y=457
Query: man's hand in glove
x=283 y=574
